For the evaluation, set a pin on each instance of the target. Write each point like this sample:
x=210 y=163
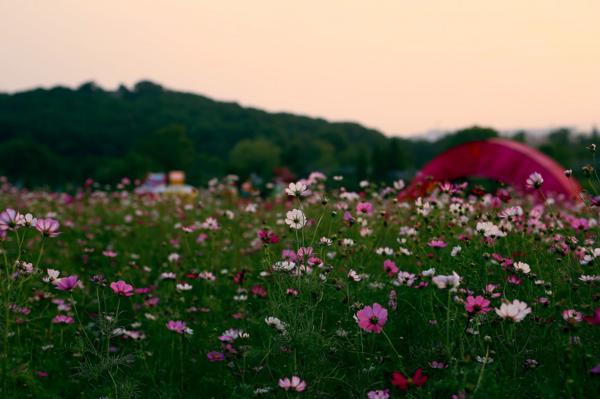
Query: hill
x=62 y=136
x=65 y=135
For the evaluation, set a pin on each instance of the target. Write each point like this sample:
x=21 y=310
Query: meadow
x=308 y=291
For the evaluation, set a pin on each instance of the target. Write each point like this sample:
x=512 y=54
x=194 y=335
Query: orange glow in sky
x=403 y=67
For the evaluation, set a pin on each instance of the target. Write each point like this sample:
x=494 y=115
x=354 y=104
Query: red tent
x=497 y=159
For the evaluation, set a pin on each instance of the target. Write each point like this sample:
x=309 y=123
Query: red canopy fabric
x=497 y=159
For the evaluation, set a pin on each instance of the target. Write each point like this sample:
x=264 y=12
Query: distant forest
x=59 y=137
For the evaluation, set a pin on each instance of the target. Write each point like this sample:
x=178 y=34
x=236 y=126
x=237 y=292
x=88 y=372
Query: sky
x=403 y=67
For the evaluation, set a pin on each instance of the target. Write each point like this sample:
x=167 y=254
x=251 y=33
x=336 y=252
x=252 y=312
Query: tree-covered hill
x=62 y=136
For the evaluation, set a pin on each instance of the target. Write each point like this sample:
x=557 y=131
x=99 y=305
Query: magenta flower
x=294 y=384
x=373 y=318
x=66 y=283
x=477 y=304
x=122 y=288
x=268 y=237
x=593 y=319
x=366 y=208
x=390 y=267
x=215 y=356
x=177 y=325
x=47 y=227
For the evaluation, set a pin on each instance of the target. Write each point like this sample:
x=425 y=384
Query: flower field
x=307 y=291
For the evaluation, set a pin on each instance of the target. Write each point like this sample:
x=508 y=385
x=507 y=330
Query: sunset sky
x=403 y=67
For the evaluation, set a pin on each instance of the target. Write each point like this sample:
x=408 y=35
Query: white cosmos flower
x=353 y=275
x=295 y=219
x=298 y=190
x=455 y=250
x=52 y=275
x=183 y=287
x=515 y=310
x=523 y=267
x=589 y=278
x=399 y=185
x=276 y=323
x=442 y=282
x=284 y=265
x=326 y=241
x=489 y=229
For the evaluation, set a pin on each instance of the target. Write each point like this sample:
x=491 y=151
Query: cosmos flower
x=534 y=181
x=122 y=288
x=522 y=267
x=390 y=267
x=214 y=356
x=179 y=327
x=297 y=190
x=515 y=310
x=294 y=384
x=379 y=394
x=402 y=382
x=572 y=316
x=442 y=282
x=66 y=283
x=436 y=243
x=268 y=237
x=47 y=227
x=8 y=219
x=295 y=219
x=365 y=208
x=372 y=318
x=477 y=304
x=63 y=319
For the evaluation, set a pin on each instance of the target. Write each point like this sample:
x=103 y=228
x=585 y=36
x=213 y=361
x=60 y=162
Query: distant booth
x=161 y=183
x=496 y=159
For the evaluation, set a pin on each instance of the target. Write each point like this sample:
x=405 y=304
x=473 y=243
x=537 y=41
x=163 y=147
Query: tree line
x=59 y=137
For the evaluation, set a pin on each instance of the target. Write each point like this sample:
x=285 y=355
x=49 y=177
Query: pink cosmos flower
x=259 y=291
x=66 y=283
x=535 y=180
x=379 y=394
x=512 y=279
x=390 y=267
x=366 y=208
x=122 y=288
x=437 y=243
x=294 y=384
x=109 y=253
x=477 y=304
x=572 y=316
x=8 y=219
x=305 y=252
x=348 y=217
x=62 y=319
x=47 y=227
x=580 y=224
x=372 y=319
x=177 y=325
